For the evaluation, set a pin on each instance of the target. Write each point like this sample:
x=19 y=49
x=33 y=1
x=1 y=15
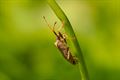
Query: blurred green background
x=27 y=50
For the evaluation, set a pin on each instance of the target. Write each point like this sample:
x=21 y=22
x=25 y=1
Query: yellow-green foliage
x=27 y=50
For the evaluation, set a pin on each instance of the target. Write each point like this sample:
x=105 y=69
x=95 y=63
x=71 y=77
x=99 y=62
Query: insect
x=61 y=44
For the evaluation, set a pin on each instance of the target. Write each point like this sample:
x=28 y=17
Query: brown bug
x=61 y=44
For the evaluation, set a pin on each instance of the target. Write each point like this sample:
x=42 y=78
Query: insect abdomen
x=65 y=52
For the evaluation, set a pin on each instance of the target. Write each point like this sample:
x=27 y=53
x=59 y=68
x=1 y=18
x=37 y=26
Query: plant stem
x=69 y=30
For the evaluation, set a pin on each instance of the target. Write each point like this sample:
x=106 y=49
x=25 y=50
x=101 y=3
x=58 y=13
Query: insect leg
x=61 y=26
x=65 y=37
x=75 y=59
x=68 y=53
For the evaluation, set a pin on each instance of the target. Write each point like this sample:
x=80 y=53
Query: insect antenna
x=47 y=23
x=50 y=27
x=54 y=25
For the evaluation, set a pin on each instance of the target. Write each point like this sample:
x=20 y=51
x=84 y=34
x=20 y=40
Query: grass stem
x=69 y=30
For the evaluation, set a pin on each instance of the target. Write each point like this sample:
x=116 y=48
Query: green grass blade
x=69 y=30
